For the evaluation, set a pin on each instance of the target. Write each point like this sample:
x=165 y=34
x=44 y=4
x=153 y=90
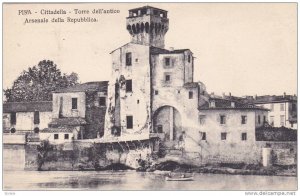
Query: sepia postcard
x=150 y=97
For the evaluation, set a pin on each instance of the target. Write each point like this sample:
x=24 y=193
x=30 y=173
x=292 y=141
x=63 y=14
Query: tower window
x=36 y=118
x=190 y=94
x=244 y=136
x=74 y=103
x=129 y=122
x=159 y=128
x=167 y=62
x=13 y=118
x=203 y=135
x=147 y=27
x=66 y=136
x=128 y=58
x=56 y=136
x=128 y=85
x=258 y=119
x=102 y=101
x=156 y=92
x=168 y=78
x=223 y=136
x=189 y=58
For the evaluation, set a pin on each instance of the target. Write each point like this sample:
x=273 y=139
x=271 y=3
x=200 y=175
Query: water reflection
x=131 y=180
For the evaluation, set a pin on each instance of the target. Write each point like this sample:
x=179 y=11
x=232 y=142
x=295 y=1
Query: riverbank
x=222 y=168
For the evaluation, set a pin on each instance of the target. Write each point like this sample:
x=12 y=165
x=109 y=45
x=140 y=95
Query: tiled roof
x=100 y=86
x=155 y=50
x=147 y=6
x=73 y=121
x=226 y=104
x=191 y=85
x=41 y=106
x=57 y=130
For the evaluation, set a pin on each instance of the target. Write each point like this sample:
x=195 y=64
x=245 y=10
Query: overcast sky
x=245 y=49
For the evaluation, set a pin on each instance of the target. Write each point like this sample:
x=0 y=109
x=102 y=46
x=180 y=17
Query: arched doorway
x=167 y=120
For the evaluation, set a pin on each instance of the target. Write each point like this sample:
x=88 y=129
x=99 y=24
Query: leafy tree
x=43 y=150
x=37 y=83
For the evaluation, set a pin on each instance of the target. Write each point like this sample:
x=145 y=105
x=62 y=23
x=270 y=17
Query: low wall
x=14 y=138
x=87 y=155
x=13 y=157
x=82 y=155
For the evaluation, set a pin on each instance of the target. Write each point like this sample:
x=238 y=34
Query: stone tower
x=148 y=26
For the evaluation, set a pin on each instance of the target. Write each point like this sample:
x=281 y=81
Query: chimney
x=284 y=95
x=229 y=94
x=224 y=95
x=255 y=97
x=171 y=48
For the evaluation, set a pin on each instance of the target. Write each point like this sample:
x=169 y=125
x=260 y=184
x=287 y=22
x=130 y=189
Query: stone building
x=26 y=116
x=78 y=113
x=227 y=130
x=152 y=96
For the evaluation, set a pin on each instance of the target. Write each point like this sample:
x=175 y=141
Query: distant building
x=78 y=112
x=283 y=109
x=26 y=116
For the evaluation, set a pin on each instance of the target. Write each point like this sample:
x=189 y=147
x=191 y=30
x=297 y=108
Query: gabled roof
x=147 y=6
x=156 y=50
x=58 y=130
x=100 y=86
x=71 y=121
x=221 y=103
x=41 y=106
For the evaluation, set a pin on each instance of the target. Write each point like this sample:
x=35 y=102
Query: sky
x=242 y=48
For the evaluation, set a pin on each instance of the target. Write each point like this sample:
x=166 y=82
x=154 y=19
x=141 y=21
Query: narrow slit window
x=128 y=59
x=102 y=101
x=13 y=118
x=223 y=136
x=36 y=117
x=74 y=103
x=128 y=85
x=129 y=122
x=190 y=94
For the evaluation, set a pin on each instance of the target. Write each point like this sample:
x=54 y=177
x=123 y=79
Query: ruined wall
x=135 y=103
x=95 y=115
x=81 y=155
x=67 y=110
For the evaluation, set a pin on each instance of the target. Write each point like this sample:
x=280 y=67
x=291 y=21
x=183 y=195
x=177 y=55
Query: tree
x=43 y=150
x=38 y=82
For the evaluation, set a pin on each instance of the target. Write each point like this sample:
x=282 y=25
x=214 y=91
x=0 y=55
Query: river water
x=132 y=180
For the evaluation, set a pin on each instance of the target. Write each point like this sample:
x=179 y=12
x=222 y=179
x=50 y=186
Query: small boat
x=180 y=178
